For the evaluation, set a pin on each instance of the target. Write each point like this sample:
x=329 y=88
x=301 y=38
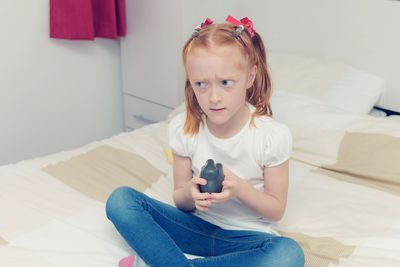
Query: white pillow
x=333 y=83
x=307 y=113
x=318 y=129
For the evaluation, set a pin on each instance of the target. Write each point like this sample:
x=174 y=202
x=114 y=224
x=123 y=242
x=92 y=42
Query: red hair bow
x=245 y=22
x=207 y=22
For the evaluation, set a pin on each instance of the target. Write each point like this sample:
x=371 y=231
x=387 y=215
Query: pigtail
x=260 y=93
x=258 y=44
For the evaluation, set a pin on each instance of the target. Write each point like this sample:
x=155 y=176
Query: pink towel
x=87 y=19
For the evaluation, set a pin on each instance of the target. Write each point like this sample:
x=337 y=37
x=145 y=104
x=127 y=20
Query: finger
x=218 y=200
x=220 y=196
x=195 y=190
x=201 y=196
x=202 y=204
x=199 y=181
x=196 y=194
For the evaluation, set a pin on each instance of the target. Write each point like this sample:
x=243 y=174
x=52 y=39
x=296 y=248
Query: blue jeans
x=161 y=233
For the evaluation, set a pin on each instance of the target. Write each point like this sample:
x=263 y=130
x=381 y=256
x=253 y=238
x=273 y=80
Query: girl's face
x=220 y=78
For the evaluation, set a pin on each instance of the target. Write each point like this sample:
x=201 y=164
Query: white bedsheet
x=46 y=222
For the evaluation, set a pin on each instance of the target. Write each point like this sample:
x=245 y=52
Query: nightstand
x=151 y=62
x=140 y=112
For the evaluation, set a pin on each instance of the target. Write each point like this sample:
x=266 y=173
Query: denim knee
x=295 y=254
x=287 y=252
x=118 y=201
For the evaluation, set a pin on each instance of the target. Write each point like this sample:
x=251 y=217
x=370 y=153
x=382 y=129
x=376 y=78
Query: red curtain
x=87 y=19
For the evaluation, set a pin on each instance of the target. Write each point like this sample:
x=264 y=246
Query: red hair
x=258 y=94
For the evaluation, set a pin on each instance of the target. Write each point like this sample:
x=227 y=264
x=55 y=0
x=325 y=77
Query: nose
x=215 y=96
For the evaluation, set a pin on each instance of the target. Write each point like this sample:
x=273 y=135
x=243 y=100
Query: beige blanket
x=343 y=205
x=98 y=171
x=371 y=159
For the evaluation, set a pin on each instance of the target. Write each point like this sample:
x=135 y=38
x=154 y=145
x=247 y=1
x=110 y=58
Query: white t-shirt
x=266 y=143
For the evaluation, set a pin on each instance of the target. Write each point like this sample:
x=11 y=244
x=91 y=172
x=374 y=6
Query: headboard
x=361 y=33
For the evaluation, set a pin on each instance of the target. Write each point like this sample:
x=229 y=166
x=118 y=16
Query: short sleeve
x=179 y=142
x=277 y=145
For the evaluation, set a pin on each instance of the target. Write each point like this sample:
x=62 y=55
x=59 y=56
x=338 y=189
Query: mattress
x=343 y=205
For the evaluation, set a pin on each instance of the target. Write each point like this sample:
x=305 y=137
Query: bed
x=344 y=190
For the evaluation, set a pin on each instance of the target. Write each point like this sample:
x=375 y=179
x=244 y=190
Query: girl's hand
x=230 y=187
x=201 y=200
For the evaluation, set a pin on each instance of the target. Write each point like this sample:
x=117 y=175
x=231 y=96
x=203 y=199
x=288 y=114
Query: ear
x=251 y=77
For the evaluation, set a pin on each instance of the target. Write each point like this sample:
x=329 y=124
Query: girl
x=227 y=119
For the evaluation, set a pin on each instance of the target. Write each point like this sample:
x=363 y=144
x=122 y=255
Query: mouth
x=216 y=109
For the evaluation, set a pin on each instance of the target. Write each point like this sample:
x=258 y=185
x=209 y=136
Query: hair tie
x=238 y=31
x=204 y=24
x=243 y=23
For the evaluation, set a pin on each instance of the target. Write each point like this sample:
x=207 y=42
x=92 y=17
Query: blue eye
x=200 y=84
x=226 y=83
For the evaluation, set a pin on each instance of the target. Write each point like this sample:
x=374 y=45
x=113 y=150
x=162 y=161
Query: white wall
x=361 y=33
x=58 y=94
x=54 y=94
